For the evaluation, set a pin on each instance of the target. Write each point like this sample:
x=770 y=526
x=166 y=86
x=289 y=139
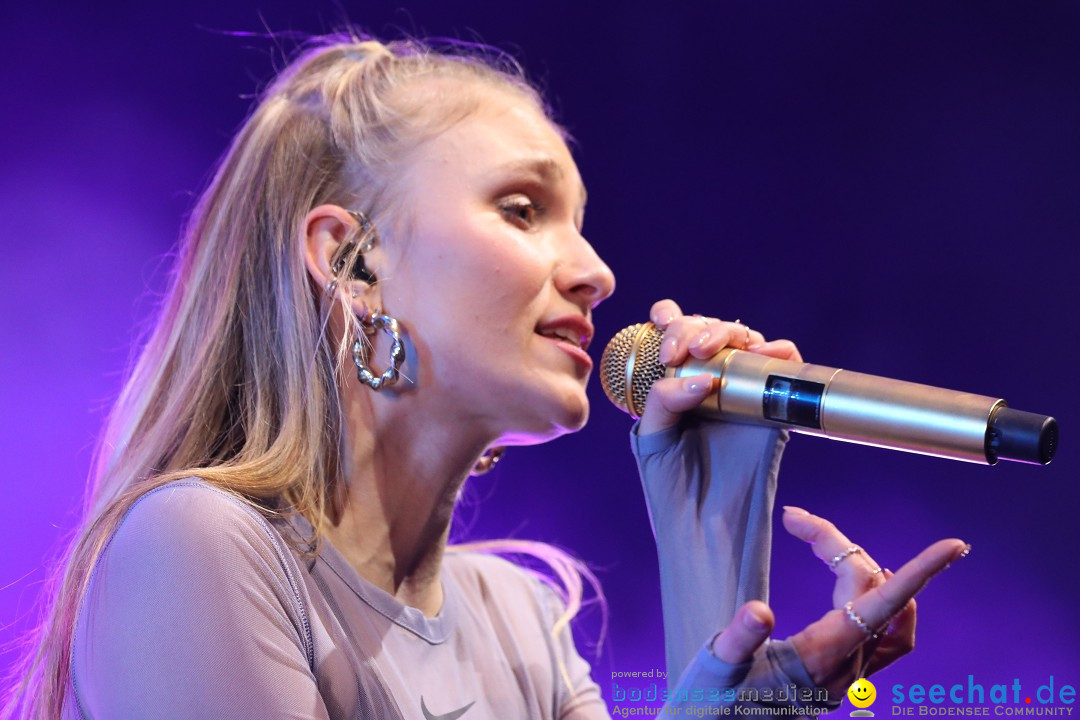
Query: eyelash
x=512 y=208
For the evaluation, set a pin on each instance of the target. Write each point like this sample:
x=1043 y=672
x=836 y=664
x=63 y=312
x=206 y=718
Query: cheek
x=479 y=286
x=502 y=282
x=515 y=269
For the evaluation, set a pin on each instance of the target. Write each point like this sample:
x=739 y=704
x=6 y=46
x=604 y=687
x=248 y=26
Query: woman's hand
x=836 y=650
x=700 y=337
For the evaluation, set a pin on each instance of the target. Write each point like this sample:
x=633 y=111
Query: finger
x=881 y=603
x=856 y=571
x=682 y=332
x=746 y=336
x=780 y=349
x=670 y=398
x=716 y=336
x=830 y=649
x=663 y=312
x=898 y=641
x=710 y=338
x=825 y=538
x=712 y=335
x=752 y=624
x=826 y=645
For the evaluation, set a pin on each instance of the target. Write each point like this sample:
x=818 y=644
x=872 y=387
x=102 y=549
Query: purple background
x=893 y=185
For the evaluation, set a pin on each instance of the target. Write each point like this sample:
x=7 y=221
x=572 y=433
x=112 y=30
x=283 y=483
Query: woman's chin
x=570 y=419
x=575 y=414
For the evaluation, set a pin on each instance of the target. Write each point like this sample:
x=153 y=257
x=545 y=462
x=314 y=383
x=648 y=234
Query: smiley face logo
x=862 y=693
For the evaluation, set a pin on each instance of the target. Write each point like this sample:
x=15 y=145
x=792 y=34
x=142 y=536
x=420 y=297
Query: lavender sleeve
x=195 y=573
x=710 y=489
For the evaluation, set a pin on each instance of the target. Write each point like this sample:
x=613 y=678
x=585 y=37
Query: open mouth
x=566 y=335
x=573 y=330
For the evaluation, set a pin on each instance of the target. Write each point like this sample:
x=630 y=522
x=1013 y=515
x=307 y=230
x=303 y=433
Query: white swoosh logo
x=448 y=716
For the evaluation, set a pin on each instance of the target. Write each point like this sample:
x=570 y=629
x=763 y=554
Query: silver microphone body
x=833 y=403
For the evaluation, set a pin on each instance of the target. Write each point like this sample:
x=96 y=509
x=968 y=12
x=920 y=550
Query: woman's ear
x=327 y=230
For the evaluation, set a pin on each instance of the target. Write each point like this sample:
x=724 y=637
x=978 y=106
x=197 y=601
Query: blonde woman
x=384 y=284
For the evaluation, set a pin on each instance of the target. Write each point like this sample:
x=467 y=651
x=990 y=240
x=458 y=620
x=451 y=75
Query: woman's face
x=492 y=278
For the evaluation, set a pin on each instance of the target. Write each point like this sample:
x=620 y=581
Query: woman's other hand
x=835 y=649
x=700 y=337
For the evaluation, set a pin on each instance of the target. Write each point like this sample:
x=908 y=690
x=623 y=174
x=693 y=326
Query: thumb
x=751 y=626
x=669 y=398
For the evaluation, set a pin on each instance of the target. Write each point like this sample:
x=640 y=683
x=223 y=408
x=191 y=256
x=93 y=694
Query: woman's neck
x=403 y=478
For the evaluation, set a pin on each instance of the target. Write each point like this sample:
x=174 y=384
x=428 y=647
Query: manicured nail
x=754 y=347
x=700 y=339
x=668 y=350
x=965 y=552
x=795 y=510
x=698 y=384
x=664 y=318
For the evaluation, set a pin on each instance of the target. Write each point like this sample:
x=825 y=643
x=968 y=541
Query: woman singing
x=384 y=284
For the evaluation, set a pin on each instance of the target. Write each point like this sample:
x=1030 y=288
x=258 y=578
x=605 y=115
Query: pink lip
x=576 y=324
x=572 y=350
x=580 y=327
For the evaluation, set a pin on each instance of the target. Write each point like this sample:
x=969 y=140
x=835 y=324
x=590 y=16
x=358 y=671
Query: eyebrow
x=545 y=168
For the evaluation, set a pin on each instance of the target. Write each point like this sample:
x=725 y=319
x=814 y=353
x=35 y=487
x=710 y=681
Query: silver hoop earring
x=379 y=321
x=487 y=461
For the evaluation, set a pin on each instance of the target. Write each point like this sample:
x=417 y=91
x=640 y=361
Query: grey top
x=200 y=607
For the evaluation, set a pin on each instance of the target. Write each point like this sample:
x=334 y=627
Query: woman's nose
x=584 y=275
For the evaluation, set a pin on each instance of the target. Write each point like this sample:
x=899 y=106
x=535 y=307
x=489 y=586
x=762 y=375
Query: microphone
x=832 y=403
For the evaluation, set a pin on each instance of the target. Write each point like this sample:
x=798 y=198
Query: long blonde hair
x=238 y=382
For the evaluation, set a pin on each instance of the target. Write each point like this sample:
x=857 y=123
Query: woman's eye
x=520 y=210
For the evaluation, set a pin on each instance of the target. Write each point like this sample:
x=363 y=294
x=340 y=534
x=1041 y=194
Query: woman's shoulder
x=193 y=530
x=191 y=512
x=192 y=575
x=189 y=496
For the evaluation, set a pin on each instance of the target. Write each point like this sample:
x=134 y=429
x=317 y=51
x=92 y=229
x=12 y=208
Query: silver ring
x=844 y=555
x=857 y=619
x=746 y=344
x=876 y=571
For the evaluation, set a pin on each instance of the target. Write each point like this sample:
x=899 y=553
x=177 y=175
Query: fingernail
x=701 y=339
x=664 y=318
x=697 y=384
x=754 y=347
x=795 y=510
x=668 y=350
x=965 y=552
x=753 y=622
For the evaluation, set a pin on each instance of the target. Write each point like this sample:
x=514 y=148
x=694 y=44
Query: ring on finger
x=835 y=562
x=746 y=343
x=843 y=556
x=876 y=571
x=849 y=609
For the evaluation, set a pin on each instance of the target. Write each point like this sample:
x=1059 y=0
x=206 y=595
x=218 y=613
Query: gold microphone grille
x=630 y=365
